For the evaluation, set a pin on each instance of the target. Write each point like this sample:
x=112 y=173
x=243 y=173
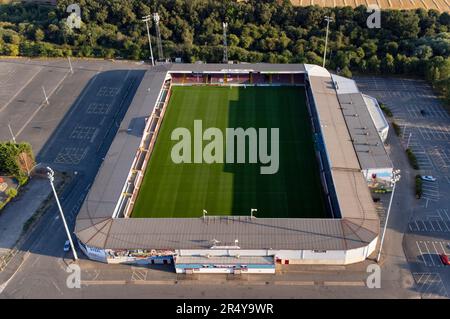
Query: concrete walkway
x=17 y=212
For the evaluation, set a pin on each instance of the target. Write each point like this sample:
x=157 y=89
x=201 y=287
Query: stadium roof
x=358 y=226
x=376 y=113
x=344 y=85
x=366 y=140
x=244 y=67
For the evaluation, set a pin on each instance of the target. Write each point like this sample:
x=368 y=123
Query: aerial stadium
x=312 y=206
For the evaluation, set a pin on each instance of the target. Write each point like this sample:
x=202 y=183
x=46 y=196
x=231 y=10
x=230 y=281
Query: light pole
x=45 y=95
x=51 y=178
x=395 y=178
x=70 y=65
x=409 y=139
x=328 y=20
x=12 y=134
x=225 y=45
x=146 y=19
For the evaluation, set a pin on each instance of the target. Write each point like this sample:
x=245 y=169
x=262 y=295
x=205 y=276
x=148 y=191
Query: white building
x=348 y=86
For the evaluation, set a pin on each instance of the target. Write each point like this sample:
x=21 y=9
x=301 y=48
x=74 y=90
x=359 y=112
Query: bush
x=11 y=192
x=386 y=110
x=412 y=158
x=418 y=187
x=22 y=179
x=14 y=157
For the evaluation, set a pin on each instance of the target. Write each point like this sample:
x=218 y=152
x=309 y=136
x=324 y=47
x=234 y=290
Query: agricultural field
x=439 y=5
x=183 y=190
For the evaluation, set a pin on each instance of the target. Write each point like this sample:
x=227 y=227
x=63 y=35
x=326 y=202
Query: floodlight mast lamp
x=328 y=20
x=51 y=178
x=156 y=18
x=225 y=45
x=146 y=19
x=395 y=178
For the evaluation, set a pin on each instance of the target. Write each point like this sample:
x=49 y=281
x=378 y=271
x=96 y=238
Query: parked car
x=67 y=246
x=444 y=259
x=428 y=178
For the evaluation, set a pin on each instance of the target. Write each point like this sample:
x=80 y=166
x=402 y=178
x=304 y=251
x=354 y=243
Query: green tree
x=39 y=35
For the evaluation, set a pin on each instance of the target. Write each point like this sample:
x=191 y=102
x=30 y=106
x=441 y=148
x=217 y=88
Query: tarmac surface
x=425 y=129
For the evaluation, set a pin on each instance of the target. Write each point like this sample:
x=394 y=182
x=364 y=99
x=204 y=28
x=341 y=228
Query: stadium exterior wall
x=317 y=257
x=384 y=174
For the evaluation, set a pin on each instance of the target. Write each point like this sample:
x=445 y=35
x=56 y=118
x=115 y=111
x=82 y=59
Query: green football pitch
x=184 y=190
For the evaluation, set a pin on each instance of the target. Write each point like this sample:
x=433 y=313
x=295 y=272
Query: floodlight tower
x=225 y=45
x=328 y=20
x=51 y=178
x=146 y=19
x=395 y=178
x=158 y=36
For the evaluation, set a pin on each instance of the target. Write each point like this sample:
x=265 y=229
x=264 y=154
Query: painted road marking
x=437 y=222
x=98 y=108
x=429 y=251
x=138 y=273
x=43 y=103
x=108 y=91
x=83 y=132
x=430 y=285
x=71 y=155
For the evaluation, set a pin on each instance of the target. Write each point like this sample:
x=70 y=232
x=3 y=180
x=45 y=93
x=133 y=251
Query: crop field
x=439 y=5
x=174 y=190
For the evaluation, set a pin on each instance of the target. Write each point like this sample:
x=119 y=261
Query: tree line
x=14 y=159
x=415 y=42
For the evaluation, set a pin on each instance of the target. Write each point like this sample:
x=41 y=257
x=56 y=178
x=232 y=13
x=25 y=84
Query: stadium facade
x=106 y=233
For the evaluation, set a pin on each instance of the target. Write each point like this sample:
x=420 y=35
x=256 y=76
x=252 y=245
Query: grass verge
x=412 y=158
x=386 y=110
x=418 y=186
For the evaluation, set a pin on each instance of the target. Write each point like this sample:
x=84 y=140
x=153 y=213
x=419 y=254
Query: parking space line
x=440 y=228
x=50 y=94
x=422 y=255
x=20 y=90
x=431 y=226
x=442 y=247
x=430 y=285
x=429 y=254
x=423 y=224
